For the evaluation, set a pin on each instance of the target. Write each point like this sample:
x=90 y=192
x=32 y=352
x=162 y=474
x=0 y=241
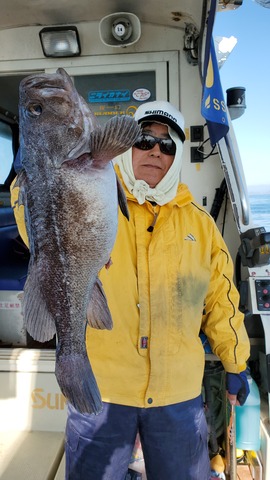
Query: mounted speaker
x=120 y=29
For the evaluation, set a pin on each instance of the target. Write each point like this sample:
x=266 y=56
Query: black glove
x=237 y=384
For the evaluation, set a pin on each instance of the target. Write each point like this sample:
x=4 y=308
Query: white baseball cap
x=162 y=112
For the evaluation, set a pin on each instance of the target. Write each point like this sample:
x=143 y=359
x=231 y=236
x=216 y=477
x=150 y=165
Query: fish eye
x=35 y=110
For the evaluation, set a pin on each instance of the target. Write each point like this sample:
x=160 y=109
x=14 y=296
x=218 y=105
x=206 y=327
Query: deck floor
x=30 y=455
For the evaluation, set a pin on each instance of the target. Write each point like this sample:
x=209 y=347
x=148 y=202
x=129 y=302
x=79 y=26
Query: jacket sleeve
x=18 y=212
x=223 y=323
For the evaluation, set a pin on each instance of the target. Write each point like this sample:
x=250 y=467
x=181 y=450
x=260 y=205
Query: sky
x=248 y=66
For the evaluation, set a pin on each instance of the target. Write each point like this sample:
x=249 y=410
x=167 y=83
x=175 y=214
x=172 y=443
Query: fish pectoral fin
x=37 y=319
x=117 y=136
x=98 y=313
x=122 y=200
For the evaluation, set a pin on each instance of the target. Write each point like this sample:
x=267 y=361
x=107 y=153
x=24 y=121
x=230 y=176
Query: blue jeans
x=173 y=438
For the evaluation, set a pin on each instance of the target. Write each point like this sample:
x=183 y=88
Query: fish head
x=54 y=118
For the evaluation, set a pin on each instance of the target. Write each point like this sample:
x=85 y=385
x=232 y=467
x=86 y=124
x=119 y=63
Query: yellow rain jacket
x=163 y=287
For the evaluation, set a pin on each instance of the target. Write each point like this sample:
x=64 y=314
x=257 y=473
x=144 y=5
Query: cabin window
x=6 y=151
x=121 y=94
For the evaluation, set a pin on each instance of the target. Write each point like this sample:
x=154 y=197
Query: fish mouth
x=42 y=84
x=59 y=81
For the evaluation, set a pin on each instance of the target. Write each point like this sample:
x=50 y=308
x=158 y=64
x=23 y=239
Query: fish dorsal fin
x=98 y=313
x=117 y=136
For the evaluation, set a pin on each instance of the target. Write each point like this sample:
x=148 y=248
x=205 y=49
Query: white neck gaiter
x=166 y=189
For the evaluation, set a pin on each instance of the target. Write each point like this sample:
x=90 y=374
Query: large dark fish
x=70 y=192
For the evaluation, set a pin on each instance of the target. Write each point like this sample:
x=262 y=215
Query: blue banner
x=213 y=107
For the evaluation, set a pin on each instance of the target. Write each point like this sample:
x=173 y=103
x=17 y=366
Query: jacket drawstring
x=151 y=227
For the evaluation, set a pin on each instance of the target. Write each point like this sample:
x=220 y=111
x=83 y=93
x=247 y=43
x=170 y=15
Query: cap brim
x=166 y=121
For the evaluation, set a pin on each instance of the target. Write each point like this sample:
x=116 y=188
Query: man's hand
x=237 y=388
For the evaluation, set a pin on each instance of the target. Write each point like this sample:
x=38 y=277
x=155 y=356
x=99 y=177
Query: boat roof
x=173 y=13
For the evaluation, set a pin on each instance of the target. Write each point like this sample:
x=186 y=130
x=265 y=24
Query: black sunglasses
x=146 y=142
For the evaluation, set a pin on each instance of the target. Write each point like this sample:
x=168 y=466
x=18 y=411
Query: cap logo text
x=161 y=112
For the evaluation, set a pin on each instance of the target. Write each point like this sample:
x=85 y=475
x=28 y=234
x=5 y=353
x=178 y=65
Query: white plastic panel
x=30 y=398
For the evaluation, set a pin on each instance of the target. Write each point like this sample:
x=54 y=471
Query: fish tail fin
x=77 y=382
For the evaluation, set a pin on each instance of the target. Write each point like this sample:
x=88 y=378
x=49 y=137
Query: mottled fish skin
x=70 y=192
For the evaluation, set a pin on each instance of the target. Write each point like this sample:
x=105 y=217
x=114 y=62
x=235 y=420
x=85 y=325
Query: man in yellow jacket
x=171 y=277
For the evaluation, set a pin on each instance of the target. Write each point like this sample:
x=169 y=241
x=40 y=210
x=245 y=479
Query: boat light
x=60 y=41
